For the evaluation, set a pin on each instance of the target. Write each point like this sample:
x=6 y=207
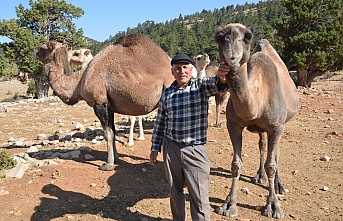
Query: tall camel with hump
x=81 y=57
x=127 y=77
x=262 y=99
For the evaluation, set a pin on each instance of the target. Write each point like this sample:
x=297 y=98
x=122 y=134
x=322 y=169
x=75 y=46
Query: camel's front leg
x=102 y=111
x=229 y=207
x=272 y=208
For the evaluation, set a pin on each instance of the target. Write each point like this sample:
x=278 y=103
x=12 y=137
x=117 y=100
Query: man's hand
x=153 y=158
x=222 y=72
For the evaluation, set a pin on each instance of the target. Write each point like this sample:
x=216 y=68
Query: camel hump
x=132 y=40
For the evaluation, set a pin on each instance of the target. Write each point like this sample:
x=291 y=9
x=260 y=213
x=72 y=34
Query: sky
x=108 y=17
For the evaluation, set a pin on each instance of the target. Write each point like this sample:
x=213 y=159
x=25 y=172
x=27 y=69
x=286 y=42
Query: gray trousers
x=187 y=166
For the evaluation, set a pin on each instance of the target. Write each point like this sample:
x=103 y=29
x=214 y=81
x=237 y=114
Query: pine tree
x=312 y=34
x=45 y=20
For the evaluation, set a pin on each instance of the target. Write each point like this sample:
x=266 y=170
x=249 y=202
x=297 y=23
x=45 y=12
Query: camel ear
x=248 y=35
x=219 y=34
x=87 y=52
x=51 y=45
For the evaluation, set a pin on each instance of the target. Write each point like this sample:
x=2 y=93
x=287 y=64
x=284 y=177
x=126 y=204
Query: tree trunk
x=302 y=77
x=42 y=86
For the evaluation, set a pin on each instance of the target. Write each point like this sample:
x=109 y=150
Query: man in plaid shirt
x=181 y=128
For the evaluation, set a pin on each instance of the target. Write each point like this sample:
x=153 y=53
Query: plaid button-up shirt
x=183 y=112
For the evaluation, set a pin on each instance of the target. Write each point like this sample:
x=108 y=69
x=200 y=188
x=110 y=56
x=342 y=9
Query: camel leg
x=272 y=208
x=102 y=111
x=132 y=121
x=141 y=130
x=278 y=184
x=229 y=207
x=260 y=177
x=218 y=108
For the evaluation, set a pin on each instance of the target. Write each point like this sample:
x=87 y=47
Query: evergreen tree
x=312 y=34
x=45 y=20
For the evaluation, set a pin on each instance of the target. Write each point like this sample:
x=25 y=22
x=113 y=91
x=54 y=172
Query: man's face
x=182 y=73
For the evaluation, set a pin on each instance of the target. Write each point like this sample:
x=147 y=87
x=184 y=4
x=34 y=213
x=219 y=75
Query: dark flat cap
x=181 y=58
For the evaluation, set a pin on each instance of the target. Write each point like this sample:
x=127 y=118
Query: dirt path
x=74 y=189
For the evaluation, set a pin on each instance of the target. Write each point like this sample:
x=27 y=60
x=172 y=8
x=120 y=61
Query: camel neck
x=241 y=94
x=62 y=80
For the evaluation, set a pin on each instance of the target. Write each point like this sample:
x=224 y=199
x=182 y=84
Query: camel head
x=45 y=52
x=80 y=57
x=201 y=61
x=234 y=41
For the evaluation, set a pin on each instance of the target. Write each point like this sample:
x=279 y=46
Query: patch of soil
x=8 y=89
x=74 y=189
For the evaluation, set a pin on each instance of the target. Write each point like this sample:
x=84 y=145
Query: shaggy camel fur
x=262 y=99
x=82 y=57
x=127 y=77
x=206 y=68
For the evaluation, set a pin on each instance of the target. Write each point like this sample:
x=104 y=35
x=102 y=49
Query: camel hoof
x=259 y=178
x=275 y=212
x=230 y=212
x=107 y=167
x=140 y=138
x=278 y=187
x=129 y=144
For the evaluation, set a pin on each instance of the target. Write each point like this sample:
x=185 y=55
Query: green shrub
x=6 y=161
x=31 y=90
x=16 y=96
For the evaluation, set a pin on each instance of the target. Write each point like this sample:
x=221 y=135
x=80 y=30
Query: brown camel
x=262 y=99
x=81 y=57
x=206 y=68
x=127 y=77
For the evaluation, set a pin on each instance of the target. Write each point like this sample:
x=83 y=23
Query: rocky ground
x=62 y=146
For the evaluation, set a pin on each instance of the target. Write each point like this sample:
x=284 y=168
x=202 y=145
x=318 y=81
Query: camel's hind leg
x=260 y=177
x=219 y=102
x=220 y=99
x=132 y=121
x=102 y=111
x=141 y=130
x=272 y=208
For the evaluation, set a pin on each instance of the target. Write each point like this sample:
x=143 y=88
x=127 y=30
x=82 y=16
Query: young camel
x=127 y=77
x=82 y=57
x=262 y=99
x=206 y=68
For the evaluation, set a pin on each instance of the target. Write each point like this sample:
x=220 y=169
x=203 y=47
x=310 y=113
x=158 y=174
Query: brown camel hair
x=207 y=68
x=81 y=57
x=127 y=77
x=262 y=99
